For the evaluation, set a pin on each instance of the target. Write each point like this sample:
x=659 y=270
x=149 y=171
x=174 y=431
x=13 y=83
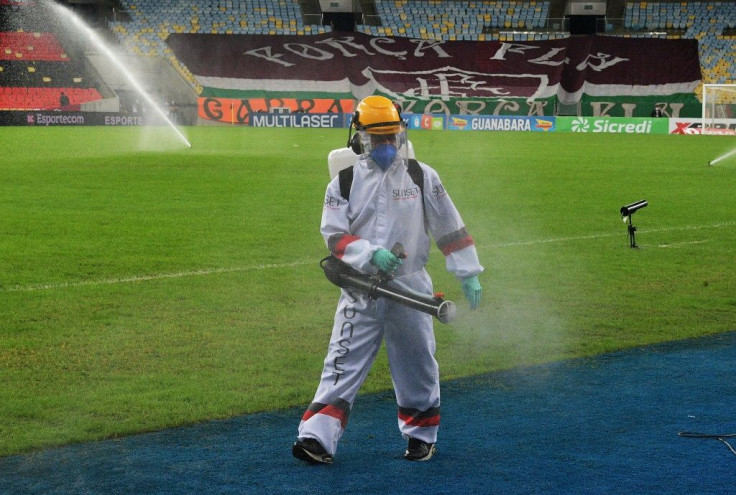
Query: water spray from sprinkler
x=116 y=61
x=722 y=157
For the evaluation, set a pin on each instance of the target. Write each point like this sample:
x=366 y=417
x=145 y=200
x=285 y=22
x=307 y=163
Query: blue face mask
x=384 y=155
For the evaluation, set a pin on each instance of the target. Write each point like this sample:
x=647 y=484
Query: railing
x=618 y=26
x=551 y=26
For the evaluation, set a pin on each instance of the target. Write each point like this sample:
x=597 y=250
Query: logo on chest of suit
x=407 y=193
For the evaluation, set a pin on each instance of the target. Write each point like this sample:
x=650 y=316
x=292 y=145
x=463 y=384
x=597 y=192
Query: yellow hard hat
x=377 y=115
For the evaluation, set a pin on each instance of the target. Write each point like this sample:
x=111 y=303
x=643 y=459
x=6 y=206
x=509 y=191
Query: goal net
x=719 y=107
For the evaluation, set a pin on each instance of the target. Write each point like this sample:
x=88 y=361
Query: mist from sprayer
x=519 y=321
x=73 y=20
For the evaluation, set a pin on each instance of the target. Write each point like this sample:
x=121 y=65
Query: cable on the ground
x=720 y=438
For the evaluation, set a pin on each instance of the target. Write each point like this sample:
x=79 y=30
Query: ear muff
x=353 y=139
x=356 y=145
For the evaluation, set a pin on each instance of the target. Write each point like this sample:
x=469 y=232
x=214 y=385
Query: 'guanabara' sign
x=451 y=77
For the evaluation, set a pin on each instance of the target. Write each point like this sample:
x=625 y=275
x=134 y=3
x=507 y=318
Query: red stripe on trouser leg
x=339 y=412
x=413 y=417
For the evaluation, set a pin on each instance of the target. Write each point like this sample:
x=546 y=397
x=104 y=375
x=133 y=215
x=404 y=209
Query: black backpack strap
x=346 y=182
x=416 y=174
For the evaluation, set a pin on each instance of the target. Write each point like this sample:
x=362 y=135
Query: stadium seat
x=31 y=46
x=461 y=20
x=28 y=98
x=35 y=68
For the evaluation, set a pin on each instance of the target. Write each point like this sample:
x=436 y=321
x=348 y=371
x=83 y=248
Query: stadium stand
x=151 y=22
x=29 y=98
x=712 y=22
x=31 y=46
x=146 y=24
x=36 y=73
x=505 y=20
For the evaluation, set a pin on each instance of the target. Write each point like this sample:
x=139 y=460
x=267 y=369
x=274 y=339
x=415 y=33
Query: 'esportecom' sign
x=44 y=118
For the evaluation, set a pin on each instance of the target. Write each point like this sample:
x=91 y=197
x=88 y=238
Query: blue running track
x=601 y=425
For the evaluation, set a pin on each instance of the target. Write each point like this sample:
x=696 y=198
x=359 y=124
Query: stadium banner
x=425 y=121
x=307 y=120
x=720 y=127
x=239 y=110
x=673 y=106
x=54 y=118
x=613 y=125
x=444 y=77
x=500 y=123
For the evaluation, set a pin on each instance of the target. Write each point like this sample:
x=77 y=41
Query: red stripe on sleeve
x=457 y=245
x=343 y=244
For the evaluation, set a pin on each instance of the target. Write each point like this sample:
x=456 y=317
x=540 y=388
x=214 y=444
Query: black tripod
x=632 y=231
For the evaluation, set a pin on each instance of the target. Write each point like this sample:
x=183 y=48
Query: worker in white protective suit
x=386 y=206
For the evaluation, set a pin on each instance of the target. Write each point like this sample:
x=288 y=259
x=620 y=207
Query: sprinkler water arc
x=99 y=44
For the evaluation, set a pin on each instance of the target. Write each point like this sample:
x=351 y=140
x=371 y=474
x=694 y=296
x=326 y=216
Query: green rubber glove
x=472 y=291
x=385 y=260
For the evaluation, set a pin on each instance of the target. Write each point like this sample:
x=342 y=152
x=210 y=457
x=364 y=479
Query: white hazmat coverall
x=385 y=208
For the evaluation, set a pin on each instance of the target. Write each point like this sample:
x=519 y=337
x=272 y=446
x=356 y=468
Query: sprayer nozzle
x=447 y=312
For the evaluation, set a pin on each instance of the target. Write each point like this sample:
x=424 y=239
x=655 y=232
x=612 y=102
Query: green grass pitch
x=145 y=285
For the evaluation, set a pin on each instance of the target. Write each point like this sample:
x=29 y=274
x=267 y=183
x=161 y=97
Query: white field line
x=602 y=235
x=158 y=276
x=678 y=244
x=214 y=271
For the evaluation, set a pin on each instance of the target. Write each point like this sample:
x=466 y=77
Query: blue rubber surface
x=607 y=424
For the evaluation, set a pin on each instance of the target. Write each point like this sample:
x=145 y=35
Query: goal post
x=719 y=104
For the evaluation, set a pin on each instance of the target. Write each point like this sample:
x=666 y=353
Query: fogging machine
x=381 y=285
